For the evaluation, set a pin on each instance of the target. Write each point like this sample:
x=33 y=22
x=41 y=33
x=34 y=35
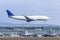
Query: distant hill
x=27 y=25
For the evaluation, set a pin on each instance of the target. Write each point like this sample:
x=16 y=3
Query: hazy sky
x=50 y=8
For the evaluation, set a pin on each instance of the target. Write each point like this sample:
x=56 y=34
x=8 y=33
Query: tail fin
x=9 y=13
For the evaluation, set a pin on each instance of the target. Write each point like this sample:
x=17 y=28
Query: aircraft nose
x=47 y=18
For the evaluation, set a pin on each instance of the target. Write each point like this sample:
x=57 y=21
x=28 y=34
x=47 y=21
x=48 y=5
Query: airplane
x=27 y=18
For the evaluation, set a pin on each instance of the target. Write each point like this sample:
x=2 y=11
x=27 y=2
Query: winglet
x=9 y=13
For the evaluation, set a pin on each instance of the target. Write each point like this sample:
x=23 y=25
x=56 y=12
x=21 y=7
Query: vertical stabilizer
x=9 y=13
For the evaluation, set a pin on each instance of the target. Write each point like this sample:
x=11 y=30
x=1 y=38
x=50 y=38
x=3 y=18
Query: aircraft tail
x=9 y=13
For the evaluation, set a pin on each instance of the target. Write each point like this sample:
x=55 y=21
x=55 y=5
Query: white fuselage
x=35 y=18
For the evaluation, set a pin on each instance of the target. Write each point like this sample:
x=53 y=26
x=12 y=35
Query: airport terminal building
x=29 y=30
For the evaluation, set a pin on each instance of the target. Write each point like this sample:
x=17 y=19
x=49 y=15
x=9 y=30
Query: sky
x=50 y=8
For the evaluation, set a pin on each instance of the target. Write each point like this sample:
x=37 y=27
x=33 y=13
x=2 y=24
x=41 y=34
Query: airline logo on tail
x=9 y=13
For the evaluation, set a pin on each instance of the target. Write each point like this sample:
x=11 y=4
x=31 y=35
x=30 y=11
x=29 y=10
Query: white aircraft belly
x=39 y=17
x=19 y=17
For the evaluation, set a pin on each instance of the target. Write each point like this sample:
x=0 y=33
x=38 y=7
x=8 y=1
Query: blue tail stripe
x=9 y=13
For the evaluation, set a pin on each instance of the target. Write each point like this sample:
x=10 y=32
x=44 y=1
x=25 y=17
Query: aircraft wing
x=27 y=18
